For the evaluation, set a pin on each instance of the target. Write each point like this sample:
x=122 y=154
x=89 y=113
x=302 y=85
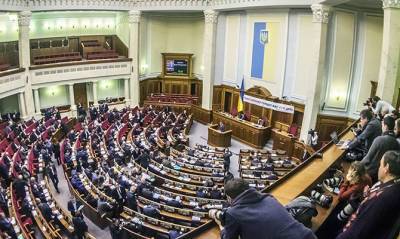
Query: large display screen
x=176 y=67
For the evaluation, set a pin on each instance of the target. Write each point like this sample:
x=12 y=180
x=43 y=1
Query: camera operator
x=378 y=106
x=254 y=215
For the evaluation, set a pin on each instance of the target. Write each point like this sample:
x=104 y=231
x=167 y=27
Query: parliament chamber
x=202 y=119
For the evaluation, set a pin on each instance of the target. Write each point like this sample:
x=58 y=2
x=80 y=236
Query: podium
x=217 y=138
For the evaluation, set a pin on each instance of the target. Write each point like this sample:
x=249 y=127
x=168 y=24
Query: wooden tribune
x=244 y=131
x=217 y=138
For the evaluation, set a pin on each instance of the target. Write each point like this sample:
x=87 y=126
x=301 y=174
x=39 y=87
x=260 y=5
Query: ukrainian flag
x=265 y=45
x=241 y=97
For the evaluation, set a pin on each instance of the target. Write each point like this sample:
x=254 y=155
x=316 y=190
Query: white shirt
x=380 y=105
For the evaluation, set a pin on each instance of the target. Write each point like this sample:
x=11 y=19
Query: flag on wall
x=241 y=97
x=265 y=45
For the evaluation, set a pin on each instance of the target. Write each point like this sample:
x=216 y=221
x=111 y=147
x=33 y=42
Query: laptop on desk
x=335 y=139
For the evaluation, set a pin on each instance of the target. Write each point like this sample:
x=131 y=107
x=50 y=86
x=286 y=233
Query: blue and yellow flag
x=266 y=42
x=241 y=97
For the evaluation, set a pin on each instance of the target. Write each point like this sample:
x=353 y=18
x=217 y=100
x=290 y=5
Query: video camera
x=368 y=102
x=218 y=215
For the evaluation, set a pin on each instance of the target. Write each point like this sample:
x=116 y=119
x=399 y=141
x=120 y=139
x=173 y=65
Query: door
x=80 y=94
x=227 y=101
x=73 y=44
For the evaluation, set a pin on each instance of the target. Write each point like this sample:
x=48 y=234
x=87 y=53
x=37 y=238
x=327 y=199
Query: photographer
x=255 y=215
x=377 y=105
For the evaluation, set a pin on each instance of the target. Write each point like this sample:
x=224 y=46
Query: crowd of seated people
x=26 y=163
x=110 y=158
x=262 y=168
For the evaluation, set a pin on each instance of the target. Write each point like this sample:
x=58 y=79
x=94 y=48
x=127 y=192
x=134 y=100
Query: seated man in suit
x=221 y=126
x=175 y=202
x=151 y=211
x=104 y=208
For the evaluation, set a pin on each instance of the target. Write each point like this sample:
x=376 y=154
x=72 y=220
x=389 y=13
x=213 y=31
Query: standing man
x=79 y=225
x=51 y=172
x=221 y=127
x=227 y=159
x=73 y=206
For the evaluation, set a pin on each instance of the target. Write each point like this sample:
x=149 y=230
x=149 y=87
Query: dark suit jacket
x=79 y=226
x=364 y=140
x=73 y=207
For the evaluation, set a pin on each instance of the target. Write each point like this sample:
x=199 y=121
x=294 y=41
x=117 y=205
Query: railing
x=11 y=80
x=43 y=74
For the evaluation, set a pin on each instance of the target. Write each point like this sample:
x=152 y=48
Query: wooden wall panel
x=201 y=115
x=326 y=124
x=169 y=86
x=276 y=119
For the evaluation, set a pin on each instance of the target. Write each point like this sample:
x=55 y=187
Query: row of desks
x=298 y=182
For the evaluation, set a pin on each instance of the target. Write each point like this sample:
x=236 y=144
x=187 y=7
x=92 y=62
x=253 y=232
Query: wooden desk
x=296 y=183
x=283 y=141
x=244 y=131
x=217 y=138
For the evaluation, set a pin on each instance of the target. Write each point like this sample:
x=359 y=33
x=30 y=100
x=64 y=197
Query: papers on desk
x=196 y=219
x=343 y=144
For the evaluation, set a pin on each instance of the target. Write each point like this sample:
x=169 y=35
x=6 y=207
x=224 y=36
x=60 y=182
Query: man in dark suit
x=227 y=159
x=144 y=159
x=176 y=202
x=131 y=199
x=52 y=174
x=6 y=226
x=221 y=126
x=19 y=186
x=73 y=206
x=56 y=151
x=80 y=225
x=151 y=211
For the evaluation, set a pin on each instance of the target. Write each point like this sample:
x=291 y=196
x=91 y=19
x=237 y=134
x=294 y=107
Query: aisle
x=198 y=135
x=64 y=196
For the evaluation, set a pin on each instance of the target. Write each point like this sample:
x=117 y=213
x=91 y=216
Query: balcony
x=42 y=74
x=11 y=80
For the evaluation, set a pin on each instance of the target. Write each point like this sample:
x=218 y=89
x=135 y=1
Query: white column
x=95 y=93
x=134 y=19
x=37 y=101
x=126 y=91
x=210 y=26
x=316 y=73
x=24 y=19
x=389 y=75
x=22 y=107
x=71 y=97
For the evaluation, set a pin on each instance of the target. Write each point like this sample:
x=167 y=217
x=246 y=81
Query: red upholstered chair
x=293 y=129
x=234 y=111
